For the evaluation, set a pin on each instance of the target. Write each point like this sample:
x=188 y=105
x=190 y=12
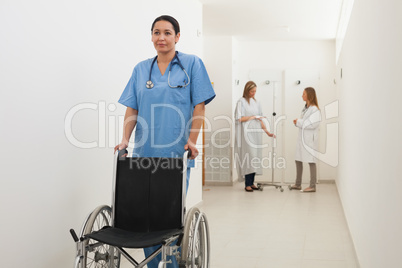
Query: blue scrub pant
x=148 y=251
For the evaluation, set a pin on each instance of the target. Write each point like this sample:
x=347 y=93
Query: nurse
x=308 y=126
x=248 y=142
x=165 y=99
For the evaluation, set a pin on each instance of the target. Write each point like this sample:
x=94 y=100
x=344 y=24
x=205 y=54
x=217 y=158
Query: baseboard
x=306 y=180
x=230 y=183
x=218 y=183
x=199 y=204
x=326 y=181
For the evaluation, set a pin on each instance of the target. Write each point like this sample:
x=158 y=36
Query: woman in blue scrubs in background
x=168 y=113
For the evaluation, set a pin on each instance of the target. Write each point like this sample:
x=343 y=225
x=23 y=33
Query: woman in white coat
x=307 y=143
x=248 y=142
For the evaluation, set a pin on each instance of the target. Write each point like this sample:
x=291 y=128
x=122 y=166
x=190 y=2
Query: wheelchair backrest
x=148 y=194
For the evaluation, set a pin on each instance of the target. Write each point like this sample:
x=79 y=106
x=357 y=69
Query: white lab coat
x=248 y=139
x=307 y=141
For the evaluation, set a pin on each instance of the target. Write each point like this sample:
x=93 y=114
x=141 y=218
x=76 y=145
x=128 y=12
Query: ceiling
x=272 y=19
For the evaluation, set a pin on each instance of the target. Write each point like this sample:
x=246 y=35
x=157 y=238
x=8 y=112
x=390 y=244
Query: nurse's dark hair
x=311 y=96
x=170 y=19
x=247 y=88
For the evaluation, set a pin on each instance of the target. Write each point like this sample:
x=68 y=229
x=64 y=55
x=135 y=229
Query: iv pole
x=261 y=185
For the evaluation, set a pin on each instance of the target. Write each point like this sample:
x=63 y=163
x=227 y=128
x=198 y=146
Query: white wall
x=283 y=55
x=293 y=55
x=231 y=58
x=369 y=180
x=218 y=61
x=53 y=56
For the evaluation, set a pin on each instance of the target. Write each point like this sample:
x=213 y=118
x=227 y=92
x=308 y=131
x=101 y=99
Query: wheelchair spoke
x=99 y=255
x=198 y=256
x=195 y=245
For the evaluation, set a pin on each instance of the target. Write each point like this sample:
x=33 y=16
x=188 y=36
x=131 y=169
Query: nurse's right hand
x=123 y=145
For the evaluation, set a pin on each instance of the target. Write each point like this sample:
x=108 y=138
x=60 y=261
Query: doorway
x=279 y=93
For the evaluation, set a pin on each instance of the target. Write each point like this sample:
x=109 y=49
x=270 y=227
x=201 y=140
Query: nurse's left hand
x=193 y=149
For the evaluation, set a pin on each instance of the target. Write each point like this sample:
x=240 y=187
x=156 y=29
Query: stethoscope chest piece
x=149 y=84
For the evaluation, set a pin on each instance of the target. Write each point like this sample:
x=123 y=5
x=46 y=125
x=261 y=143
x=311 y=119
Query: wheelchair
x=148 y=209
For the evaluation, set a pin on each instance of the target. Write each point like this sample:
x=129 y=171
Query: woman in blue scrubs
x=165 y=104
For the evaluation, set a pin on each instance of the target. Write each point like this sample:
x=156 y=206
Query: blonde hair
x=311 y=96
x=247 y=88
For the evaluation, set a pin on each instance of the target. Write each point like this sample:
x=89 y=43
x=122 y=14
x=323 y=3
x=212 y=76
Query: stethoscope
x=149 y=83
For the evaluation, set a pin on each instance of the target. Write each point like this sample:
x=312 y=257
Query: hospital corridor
x=278 y=229
x=273 y=229
x=255 y=91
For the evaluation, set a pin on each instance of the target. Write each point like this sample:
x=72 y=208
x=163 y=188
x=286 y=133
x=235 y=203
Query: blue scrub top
x=165 y=113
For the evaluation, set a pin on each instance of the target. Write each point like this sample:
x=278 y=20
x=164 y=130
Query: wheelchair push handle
x=122 y=153
x=188 y=153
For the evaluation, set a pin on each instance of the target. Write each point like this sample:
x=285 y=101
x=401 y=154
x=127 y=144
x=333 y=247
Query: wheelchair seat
x=126 y=239
x=148 y=203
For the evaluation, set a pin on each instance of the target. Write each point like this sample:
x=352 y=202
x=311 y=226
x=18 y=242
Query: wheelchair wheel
x=97 y=254
x=195 y=243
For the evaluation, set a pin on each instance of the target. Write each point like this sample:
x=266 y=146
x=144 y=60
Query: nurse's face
x=164 y=37
x=304 y=96
x=252 y=92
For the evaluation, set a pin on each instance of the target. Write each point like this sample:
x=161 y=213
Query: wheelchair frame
x=192 y=237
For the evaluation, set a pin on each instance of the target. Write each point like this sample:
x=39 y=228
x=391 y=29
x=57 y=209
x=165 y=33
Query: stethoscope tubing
x=150 y=84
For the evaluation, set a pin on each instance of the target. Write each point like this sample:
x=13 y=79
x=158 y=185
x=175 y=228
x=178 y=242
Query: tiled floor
x=273 y=229
x=277 y=229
